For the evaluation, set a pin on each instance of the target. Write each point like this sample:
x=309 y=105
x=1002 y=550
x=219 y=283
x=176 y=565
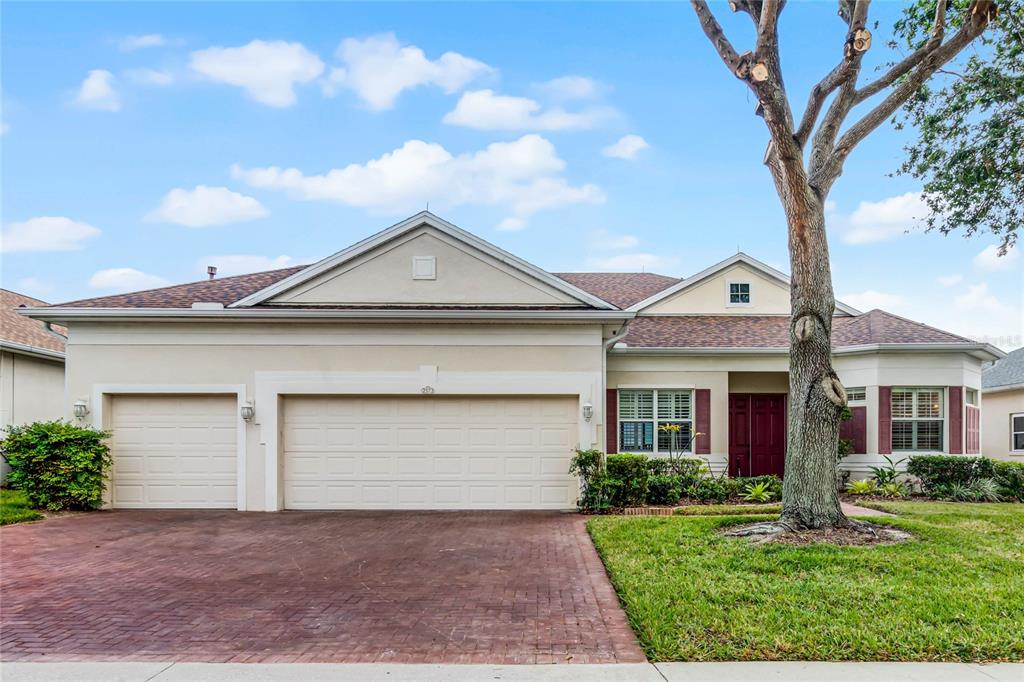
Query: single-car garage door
x=429 y=452
x=174 y=451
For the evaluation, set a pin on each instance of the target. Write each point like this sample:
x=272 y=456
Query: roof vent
x=207 y=305
x=211 y=270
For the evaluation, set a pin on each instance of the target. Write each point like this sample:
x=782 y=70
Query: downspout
x=608 y=344
x=48 y=326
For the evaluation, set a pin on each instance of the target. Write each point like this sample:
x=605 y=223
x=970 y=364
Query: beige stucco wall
x=727 y=373
x=463 y=276
x=168 y=356
x=31 y=389
x=767 y=296
x=996 y=408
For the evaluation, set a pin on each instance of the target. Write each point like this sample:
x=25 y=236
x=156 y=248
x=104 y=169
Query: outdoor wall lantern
x=81 y=409
x=588 y=411
x=248 y=411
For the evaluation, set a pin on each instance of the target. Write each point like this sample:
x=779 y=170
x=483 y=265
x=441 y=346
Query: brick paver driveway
x=480 y=587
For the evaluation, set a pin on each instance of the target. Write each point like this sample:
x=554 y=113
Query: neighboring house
x=424 y=368
x=1003 y=408
x=31 y=366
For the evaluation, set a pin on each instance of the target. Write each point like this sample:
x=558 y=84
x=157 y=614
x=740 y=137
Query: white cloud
x=267 y=70
x=150 y=76
x=132 y=43
x=949 y=280
x=46 y=233
x=511 y=225
x=634 y=262
x=33 y=286
x=485 y=110
x=871 y=299
x=524 y=175
x=379 y=68
x=874 y=221
x=626 y=148
x=605 y=240
x=989 y=259
x=125 y=279
x=98 y=92
x=570 y=87
x=205 y=206
x=243 y=264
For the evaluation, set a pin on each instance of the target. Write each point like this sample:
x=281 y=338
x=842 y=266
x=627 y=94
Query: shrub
x=984 y=490
x=863 y=487
x=757 y=492
x=664 y=489
x=595 y=488
x=57 y=465
x=884 y=475
x=658 y=466
x=1010 y=478
x=772 y=483
x=893 y=489
x=628 y=474
x=938 y=472
x=709 y=490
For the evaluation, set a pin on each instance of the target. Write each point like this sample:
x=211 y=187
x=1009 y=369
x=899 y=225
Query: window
x=917 y=422
x=856 y=395
x=1017 y=432
x=642 y=412
x=971 y=396
x=739 y=293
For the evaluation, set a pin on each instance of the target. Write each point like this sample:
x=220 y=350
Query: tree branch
x=713 y=30
x=904 y=66
x=751 y=7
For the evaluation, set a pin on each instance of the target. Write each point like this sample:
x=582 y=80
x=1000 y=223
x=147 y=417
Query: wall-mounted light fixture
x=248 y=411
x=588 y=411
x=81 y=409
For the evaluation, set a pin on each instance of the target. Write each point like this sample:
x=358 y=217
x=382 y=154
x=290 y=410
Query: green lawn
x=14 y=508
x=955 y=592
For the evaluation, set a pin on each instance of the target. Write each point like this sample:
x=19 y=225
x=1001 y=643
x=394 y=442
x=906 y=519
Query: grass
x=953 y=593
x=728 y=509
x=14 y=508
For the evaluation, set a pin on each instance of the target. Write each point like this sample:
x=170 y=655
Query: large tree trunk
x=810 y=498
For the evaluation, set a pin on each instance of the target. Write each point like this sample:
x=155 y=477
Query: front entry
x=757 y=434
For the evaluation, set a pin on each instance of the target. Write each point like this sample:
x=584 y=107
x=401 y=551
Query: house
x=1002 y=389
x=31 y=366
x=424 y=368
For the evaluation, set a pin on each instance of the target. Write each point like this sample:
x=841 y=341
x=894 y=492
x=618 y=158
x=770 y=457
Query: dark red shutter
x=611 y=420
x=702 y=414
x=973 y=430
x=885 y=420
x=956 y=420
x=856 y=429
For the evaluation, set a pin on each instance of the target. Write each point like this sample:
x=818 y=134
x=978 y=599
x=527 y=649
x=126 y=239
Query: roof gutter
x=982 y=351
x=70 y=314
x=34 y=351
x=1001 y=389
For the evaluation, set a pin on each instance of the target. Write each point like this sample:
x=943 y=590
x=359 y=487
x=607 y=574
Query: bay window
x=643 y=412
x=917 y=419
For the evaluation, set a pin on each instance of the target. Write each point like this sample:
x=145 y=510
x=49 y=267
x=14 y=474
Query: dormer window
x=739 y=293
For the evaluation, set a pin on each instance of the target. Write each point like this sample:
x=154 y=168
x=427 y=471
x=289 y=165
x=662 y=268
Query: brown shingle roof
x=621 y=289
x=223 y=290
x=763 y=331
x=22 y=330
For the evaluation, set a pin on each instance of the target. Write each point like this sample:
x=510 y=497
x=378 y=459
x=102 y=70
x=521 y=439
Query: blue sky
x=143 y=141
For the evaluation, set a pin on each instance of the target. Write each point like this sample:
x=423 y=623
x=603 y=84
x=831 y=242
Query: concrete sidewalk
x=622 y=672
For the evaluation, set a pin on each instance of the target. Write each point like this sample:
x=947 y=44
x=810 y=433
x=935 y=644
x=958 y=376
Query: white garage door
x=429 y=452
x=174 y=451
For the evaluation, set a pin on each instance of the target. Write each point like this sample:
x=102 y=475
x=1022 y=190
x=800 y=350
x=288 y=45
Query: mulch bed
x=840 y=537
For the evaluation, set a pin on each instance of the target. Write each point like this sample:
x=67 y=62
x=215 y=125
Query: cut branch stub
x=834 y=391
x=759 y=72
x=861 y=40
x=804 y=328
x=742 y=70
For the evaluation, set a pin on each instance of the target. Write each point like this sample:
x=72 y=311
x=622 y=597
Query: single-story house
x=424 y=368
x=1002 y=423
x=31 y=366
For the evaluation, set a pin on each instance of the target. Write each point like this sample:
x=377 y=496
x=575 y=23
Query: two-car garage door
x=349 y=452
x=429 y=452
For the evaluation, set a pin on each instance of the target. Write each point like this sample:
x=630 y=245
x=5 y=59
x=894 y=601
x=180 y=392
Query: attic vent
x=424 y=267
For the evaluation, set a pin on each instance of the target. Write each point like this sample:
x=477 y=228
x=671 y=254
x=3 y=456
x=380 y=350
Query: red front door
x=757 y=434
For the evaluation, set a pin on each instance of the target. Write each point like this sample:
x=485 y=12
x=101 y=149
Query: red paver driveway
x=473 y=587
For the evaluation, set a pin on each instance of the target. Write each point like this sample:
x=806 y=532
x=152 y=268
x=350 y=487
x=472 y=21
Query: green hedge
x=57 y=465
x=960 y=478
x=1010 y=479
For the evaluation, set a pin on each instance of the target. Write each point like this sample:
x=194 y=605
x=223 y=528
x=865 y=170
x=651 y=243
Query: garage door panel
x=428 y=452
x=173 y=451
